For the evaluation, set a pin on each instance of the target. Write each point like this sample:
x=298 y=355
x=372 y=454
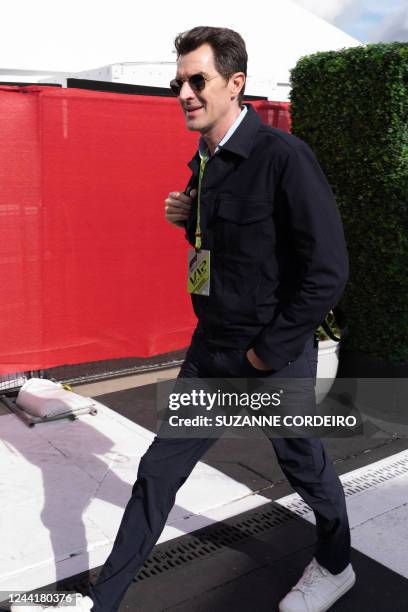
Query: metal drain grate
x=297 y=506
x=209 y=540
x=187 y=548
x=375 y=477
x=357 y=482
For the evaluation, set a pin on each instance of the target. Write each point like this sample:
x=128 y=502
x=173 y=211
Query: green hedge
x=351 y=107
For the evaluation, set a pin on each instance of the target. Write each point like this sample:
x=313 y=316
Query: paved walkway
x=237 y=538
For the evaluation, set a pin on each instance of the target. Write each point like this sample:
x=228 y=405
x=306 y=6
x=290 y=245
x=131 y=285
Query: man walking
x=265 y=231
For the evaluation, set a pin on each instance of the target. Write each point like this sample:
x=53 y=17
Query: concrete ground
x=247 y=558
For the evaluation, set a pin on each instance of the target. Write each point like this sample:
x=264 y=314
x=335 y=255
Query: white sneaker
x=318 y=589
x=82 y=604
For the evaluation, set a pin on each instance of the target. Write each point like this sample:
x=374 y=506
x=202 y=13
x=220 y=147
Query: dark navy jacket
x=278 y=255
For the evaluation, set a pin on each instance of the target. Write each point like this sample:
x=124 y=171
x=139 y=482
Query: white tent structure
x=129 y=42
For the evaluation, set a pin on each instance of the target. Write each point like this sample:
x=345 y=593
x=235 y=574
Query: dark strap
x=192 y=184
x=341 y=321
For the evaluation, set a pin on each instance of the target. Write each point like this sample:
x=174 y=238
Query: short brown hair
x=229 y=49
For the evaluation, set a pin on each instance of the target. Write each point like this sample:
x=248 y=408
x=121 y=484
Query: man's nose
x=186 y=91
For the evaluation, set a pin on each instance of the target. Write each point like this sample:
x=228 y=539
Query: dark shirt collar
x=242 y=140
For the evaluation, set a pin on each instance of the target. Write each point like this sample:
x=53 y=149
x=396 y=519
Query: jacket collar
x=242 y=140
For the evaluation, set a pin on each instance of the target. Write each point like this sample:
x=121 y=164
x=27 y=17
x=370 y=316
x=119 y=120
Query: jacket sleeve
x=317 y=237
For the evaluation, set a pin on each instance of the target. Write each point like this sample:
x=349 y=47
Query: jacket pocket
x=243 y=227
x=243 y=210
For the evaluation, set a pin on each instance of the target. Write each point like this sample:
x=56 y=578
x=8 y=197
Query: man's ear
x=237 y=82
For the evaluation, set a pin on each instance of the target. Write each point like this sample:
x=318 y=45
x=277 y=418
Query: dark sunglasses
x=196 y=82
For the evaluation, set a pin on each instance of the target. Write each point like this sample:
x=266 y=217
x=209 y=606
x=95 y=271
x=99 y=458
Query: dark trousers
x=168 y=462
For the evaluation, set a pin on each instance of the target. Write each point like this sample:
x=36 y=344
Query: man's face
x=211 y=107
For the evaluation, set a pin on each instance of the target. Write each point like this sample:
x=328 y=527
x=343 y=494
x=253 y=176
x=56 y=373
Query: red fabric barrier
x=90 y=270
x=276 y=114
